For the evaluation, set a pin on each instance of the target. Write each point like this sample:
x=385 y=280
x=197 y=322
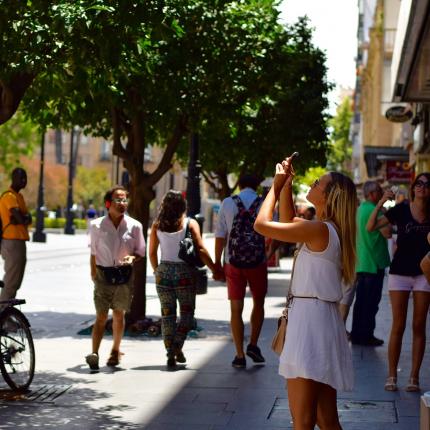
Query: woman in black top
x=413 y=224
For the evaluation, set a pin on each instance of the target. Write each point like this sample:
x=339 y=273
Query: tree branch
x=209 y=178
x=166 y=161
x=11 y=94
x=224 y=189
x=117 y=148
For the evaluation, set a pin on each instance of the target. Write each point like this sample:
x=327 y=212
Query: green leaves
x=340 y=149
x=18 y=137
x=101 y=7
x=177 y=28
x=252 y=88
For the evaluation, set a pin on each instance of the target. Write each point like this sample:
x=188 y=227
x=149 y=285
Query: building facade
x=380 y=146
x=410 y=76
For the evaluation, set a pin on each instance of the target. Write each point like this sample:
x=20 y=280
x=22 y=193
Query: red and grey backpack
x=245 y=246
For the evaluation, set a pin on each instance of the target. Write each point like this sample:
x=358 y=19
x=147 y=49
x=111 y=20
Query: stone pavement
x=206 y=393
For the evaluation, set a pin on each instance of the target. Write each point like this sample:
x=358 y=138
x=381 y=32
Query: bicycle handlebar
x=12 y=302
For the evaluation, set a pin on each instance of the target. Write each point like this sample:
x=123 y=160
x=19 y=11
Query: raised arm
x=313 y=233
x=375 y=223
x=287 y=210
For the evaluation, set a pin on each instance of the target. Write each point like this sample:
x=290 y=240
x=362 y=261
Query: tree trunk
x=142 y=189
x=141 y=196
x=224 y=190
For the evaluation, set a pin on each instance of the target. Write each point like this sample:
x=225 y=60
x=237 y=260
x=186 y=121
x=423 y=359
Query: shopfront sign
x=399 y=171
x=398 y=113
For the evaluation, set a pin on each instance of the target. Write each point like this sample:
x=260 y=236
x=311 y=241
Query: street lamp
x=193 y=197
x=69 y=228
x=39 y=235
x=193 y=182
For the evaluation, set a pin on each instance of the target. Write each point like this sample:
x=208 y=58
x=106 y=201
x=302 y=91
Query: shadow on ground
x=71 y=410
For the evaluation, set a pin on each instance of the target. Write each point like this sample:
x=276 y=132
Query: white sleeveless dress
x=316 y=346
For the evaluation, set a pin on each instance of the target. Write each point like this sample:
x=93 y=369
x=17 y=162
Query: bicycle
x=17 y=357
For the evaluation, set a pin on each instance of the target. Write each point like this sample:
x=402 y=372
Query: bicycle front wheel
x=17 y=359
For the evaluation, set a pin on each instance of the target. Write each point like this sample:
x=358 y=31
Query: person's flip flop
x=413 y=385
x=391 y=384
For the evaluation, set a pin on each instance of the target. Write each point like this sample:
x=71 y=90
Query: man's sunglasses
x=118 y=200
x=422 y=184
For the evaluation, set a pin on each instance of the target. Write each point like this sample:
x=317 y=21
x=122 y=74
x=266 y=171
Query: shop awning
x=375 y=155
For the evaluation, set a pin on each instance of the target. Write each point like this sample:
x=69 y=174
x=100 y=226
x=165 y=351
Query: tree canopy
x=285 y=113
x=91 y=185
x=154 y=71
x=18 y=137
x=150 y=70
x=340 y=146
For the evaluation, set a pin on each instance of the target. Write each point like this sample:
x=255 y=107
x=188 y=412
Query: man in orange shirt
x=15 y=221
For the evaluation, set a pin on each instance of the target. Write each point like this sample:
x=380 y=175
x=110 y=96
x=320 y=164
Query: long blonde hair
x=341 y=209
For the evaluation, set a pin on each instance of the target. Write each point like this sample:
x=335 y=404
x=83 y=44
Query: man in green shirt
x=373 y=258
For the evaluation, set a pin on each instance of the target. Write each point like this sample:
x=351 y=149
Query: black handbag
x=187 y=250
x=116 y=275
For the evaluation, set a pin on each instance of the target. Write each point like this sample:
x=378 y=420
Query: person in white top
x=116 y=243
x=316 y=360
x=174 y=278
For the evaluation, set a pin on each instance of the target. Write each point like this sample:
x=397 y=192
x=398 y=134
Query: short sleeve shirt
x=11 y=199
x=412 y=244
x=372 y=249
x=110 y=245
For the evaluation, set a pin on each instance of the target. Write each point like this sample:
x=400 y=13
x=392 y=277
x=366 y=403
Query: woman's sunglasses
x=422 y=184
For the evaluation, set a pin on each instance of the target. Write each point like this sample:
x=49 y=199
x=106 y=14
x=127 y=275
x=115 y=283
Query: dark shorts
x=237 y=280
x=106 y=296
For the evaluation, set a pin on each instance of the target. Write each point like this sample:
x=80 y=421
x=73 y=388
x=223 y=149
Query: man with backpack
x=15 y=220
x=244 y=264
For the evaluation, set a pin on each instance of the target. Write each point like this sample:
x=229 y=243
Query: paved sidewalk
x=205 y=394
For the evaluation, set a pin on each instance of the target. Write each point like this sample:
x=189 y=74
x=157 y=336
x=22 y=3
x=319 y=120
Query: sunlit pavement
x=206 y=393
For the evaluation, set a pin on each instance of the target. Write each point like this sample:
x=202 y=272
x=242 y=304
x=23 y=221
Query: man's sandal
x=391 y=384
x=114 y=358
x=413 y=385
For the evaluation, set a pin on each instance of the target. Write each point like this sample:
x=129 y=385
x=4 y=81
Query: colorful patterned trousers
x=175 y=284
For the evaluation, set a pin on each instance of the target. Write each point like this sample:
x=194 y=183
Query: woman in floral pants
x=174 y=278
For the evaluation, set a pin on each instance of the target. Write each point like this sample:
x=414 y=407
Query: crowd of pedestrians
x=343 y=255
x=316 y=361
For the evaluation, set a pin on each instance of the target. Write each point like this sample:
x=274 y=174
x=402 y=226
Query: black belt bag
x=116 y=275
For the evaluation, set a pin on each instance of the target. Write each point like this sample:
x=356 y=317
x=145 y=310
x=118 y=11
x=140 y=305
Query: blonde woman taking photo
x=316 y=360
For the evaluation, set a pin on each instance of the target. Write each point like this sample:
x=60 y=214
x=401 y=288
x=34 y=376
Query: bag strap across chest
x=252 y=210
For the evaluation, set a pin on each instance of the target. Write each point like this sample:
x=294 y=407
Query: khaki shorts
x=106 y=296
